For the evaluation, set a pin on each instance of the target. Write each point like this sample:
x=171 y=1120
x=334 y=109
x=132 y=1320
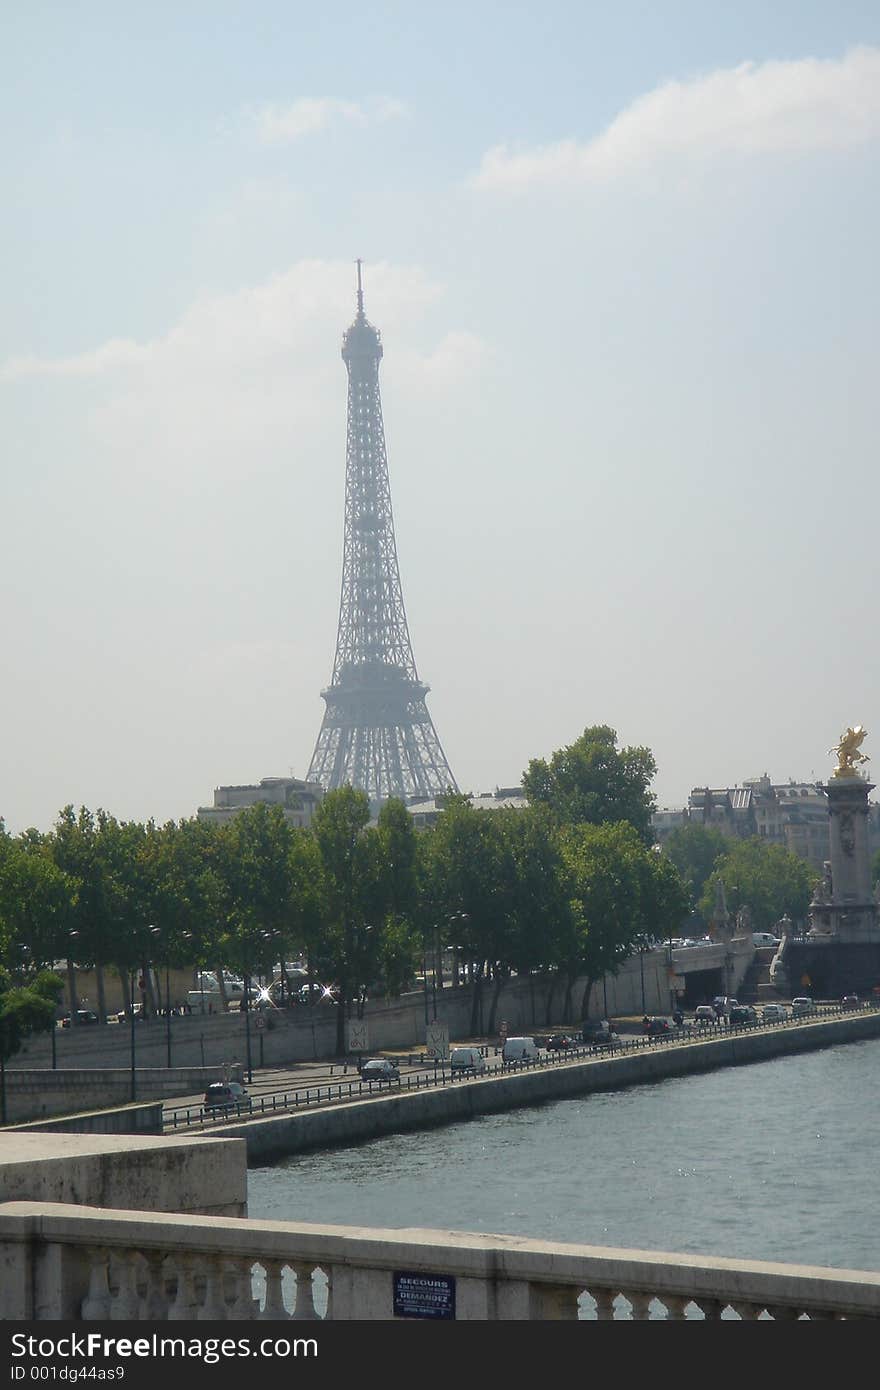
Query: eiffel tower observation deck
x=377 y=734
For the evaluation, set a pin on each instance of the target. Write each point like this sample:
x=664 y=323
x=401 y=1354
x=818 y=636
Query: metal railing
x=340 y=1092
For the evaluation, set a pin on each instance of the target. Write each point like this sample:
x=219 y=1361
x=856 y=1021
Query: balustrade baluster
x=640 y=1304
x=304 y=1307
x=238 y=1293
x=157 y=1300
x=184 y=1306
x=96 y=1304
x=214 y=1306
x=604 y=1299
x=273 y=1308
x=676 y=1306
x=125 y=1304
x=749 y=1312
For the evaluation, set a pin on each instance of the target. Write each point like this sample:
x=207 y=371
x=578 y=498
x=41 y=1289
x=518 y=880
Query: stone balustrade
x=87 y=1264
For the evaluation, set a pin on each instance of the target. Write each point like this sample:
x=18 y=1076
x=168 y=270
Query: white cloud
x=280 y=125
x=768 y=108
x=242 y=374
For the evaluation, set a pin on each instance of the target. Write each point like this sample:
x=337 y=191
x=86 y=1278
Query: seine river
x=776 y=1161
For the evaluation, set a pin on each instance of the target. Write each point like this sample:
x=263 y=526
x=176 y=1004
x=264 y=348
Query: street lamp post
x=131 y=1024
x=246 y=1004
x=157 y=931
x=642 y=971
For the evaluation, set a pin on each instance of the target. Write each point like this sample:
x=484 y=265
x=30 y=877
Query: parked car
x=519 y=1050
x=560 y=1042
x=850 y=1001
x=774 y=1013
x=801 y=1006
x=469 y=1059
x=227 y=1095
x=379 y=1069
x=656 y=1027
x=704 y=1014
x=599 y=1034
x=82 y=1016
x=722 y=1004
x=742 y=1013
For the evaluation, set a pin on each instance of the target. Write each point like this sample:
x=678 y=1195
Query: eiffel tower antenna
x=377 y=734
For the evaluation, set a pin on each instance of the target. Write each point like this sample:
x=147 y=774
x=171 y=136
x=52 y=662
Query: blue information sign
x=424 y=1295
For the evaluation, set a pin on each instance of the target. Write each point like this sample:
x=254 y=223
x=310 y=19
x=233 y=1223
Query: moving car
x=850 y=1001
x=764 y=938
x=560 y=1042
x=801 y=1006
x=227 y=1095
x=519 y=1050
x=774 y=1013
x=599 y=1034
x=379 y=1069
x=467 y=1059
x=742 y=1013
x=704 y=1014
x=82 y=1016
x=656 y=1027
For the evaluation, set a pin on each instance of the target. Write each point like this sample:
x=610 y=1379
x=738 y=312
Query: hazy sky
x=624 y=261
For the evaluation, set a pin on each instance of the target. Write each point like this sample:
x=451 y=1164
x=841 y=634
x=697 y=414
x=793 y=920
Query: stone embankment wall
x=409 y=1110
x=307 y=1034
x=200 y=1176
x=33 y=1094
x=128 y=1119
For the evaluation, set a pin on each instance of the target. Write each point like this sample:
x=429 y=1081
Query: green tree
x=607 y=875
x=694 y=849
x=25 y=1008
x=349 y=867
x=36 y=903
x=467 y=892
x=593 y=782
x=769 y=880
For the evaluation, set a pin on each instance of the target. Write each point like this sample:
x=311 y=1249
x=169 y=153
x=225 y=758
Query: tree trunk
x=102 y=991
x=125 y=981
x=71 y=991
x=569 y=987
x=498 y=984
x=585 y=1002
x=551 y=990
x=221 y=985
x=476 y=998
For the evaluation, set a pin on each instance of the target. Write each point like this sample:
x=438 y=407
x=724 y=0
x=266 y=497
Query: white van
x=519 y=1050
x=467 y=1059
x=764 y=938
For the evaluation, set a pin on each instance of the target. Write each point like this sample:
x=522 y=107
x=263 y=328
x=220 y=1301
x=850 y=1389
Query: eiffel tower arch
x=377 y=734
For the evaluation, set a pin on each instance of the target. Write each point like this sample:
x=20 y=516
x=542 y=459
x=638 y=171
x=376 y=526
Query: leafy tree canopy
x=693 y=850
x=769 y=880
x=594 y=782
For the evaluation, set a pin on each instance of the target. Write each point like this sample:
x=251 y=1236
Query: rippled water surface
x=774 y=1161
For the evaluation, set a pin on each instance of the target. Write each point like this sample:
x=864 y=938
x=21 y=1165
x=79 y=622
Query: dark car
x=599 y=1034
x=850 y=1001
x=379 y=1069
x=227 y=1095
x=656 y=1027
x=82 y=1016
x=559 y=1042
x=742 y=1013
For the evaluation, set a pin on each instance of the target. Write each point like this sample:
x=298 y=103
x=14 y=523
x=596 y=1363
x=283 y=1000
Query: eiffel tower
x=377 y=734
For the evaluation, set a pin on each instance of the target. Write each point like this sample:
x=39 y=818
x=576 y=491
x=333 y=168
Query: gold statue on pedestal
x=847 y=751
